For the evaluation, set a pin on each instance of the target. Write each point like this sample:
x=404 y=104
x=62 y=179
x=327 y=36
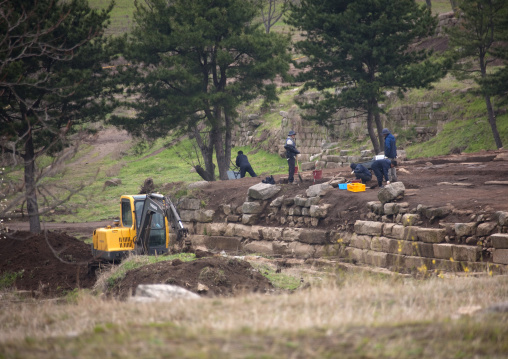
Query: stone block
x=217 y=229
x=466 y=253
x=314 y=236
x=391 y=192
x=397 y=232
x=465 y=229
x=192 y=204
x=443 y=250
x=409 y=219
x=312 y=201
x=431 y=235
x=271 y=233
x=263 y=191
x=318 y=190
x=417 y=263
x=410 y=234
x=223 y=243
x=277 y=202
x=250 y=219
x=295 y=211
x=499 y=240
x=378 y=259
x=371 y=228
x=485 y=229
x=187 y=216
x=389 y=208
x=204 y=216
x=500 y=256
x=502 y=218
x=356 y=254
x=361 y=242
x=384 y=244
x=300 y=201
x=261 y=247
x=319 y=211
x=291 y=234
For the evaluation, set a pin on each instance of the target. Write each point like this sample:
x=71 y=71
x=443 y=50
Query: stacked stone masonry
x=390 y=237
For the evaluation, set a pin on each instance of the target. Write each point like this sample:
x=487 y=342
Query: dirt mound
x=47 y=264
x=208 y=277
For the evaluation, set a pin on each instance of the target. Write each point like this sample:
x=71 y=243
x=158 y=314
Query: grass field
x=349 y=315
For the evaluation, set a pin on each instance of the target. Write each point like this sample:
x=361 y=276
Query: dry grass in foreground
x=356 y=315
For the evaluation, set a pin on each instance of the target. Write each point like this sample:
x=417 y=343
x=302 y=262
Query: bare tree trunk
x=372 y=133
x=30 y=188
x=492 y=121
x=223 y=148
x=208 y=174
x=379 y=126
x=488 y=103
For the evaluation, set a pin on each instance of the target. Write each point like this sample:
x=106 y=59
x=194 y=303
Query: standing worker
x=243 y=162
x=381 y=168
x=390 y=152
x=291 y=153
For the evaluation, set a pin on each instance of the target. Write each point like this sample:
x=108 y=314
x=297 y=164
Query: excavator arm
x=156 y=203
x=175 y=220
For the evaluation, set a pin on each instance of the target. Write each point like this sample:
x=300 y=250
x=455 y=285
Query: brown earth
x=209 y=276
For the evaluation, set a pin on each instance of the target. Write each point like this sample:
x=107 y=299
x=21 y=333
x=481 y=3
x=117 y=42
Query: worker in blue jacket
x=361 y=172
x=390 y=152
x=381 y=168
x=291 y=153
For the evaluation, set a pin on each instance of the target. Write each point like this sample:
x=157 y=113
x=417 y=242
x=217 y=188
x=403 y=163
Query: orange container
x=356 y=187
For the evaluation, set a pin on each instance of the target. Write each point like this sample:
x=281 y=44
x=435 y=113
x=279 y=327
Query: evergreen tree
x=474 y=40
x=51 y=79
x=360 y=48
x=193 y=63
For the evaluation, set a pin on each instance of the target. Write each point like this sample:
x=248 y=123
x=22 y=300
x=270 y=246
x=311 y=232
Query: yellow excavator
x=143 y=228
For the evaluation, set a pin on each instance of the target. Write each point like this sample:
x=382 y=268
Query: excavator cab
x=143 y=228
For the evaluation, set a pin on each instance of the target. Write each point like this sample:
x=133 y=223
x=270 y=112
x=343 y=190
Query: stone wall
x=392 y=235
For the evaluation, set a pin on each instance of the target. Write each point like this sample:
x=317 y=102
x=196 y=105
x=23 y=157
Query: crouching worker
x=381 y=168
x=243 y=162
x=361 y=172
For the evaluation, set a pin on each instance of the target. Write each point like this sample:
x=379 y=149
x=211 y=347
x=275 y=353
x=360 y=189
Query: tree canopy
x=194 y=62
x=362 y=47
x=51 y=79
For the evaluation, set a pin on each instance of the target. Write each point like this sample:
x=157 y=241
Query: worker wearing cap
x=390 y=152
x=291 y=153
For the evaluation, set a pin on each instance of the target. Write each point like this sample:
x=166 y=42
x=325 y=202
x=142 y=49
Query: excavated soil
x=208 y=277
x=50 y=264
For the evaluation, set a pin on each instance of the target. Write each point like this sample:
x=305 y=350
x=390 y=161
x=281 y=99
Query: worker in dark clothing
x=243 y=162
x=381 y=168
x=361 y=172
x=291 y=153
x=390 y=152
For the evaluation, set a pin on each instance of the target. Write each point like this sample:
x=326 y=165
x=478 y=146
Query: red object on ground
x=318 y=174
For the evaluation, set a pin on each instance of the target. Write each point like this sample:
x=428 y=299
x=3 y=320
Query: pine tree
x=193 y=63
x=479 y=35
x=51 y=79
x=361 y=48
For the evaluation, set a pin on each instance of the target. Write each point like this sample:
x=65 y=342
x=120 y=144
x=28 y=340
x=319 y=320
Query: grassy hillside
x=467 y=130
